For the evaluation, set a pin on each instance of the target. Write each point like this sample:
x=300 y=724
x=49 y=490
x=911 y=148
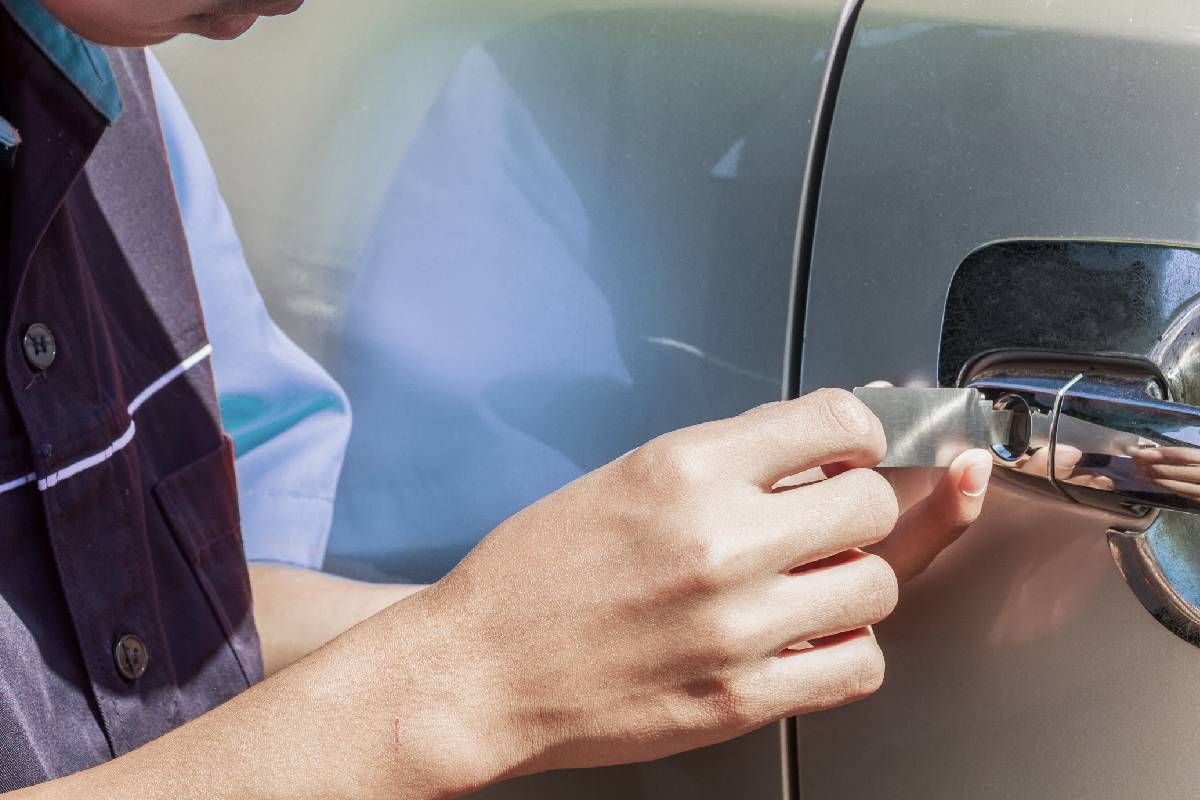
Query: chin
x=231 y=26
x=282 y=7
x=223 y=27
x=119 y=31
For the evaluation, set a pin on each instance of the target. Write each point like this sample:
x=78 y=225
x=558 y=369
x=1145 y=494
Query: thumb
x=934 y=523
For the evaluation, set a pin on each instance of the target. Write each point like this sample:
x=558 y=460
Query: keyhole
x=1012 y=440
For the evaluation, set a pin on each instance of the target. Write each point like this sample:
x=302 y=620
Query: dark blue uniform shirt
x=124 y=598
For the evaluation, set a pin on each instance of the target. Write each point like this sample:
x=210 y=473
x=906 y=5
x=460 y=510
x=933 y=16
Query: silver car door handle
x=1103 y=432
x=1100 y=439
x=1095 y=429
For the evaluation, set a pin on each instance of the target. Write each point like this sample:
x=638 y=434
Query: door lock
x=1096 y=430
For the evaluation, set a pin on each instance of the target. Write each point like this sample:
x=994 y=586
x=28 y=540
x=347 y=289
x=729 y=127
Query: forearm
x=378 y=713
x=298 y=611
x=670 y=587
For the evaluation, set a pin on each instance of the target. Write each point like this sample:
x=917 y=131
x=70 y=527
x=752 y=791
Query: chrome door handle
x=1102 y=431
x=1138 y=451
x=1102 y=436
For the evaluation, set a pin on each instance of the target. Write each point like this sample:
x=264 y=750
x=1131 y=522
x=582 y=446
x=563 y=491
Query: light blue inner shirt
x=289 y=419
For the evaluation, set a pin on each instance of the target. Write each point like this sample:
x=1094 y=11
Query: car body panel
x=1021 y=664
x=526 y=237
x=570 y=232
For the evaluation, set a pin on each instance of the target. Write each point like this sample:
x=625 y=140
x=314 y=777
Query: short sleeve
x=289 y=420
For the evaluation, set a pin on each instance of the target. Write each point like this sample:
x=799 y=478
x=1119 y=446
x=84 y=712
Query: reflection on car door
x=1021 y=665
x=526 y=237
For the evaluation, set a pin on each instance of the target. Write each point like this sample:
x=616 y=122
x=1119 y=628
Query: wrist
x=431 y=707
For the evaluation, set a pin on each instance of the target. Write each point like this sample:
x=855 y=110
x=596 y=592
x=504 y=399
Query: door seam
x=814 y=172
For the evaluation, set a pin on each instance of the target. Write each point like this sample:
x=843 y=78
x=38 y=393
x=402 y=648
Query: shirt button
x=40 y=347
x=132 y=657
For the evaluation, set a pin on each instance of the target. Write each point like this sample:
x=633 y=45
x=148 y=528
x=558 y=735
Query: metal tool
x=1104 y=439
x=932 y=427
x=1097 y=430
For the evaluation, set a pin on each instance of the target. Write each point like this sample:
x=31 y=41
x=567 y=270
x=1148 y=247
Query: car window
x=525 y=237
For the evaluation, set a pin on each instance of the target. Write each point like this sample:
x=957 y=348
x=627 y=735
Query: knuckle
x=668 y=463
x=880 y=591
x=685 y=558
x=734 y=703
x=864 y=671
x=644 y=464
x=727 y=637
x=705 y=564
x=845 y=413
x=694 y=579
x=876 y=503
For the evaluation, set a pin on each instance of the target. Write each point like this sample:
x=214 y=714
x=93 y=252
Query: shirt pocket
x=200 y=505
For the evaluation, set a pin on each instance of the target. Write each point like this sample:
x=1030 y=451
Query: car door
x=1016 y=176
x=526 y=237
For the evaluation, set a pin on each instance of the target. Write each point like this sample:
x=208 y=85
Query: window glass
x=526 y=237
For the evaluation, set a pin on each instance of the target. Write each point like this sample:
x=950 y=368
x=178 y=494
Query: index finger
x=771 y=442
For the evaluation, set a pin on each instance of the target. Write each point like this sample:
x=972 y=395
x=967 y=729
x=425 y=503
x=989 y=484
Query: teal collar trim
x=82 y=62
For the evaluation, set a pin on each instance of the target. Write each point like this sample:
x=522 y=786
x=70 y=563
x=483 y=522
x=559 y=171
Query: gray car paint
x=1021 y=665
x=630 y=172
x=587 y=244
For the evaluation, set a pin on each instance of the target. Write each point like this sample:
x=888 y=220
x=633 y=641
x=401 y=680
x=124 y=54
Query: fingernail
x=975 y=478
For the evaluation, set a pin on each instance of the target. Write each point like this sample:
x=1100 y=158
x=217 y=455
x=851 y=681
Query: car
x=527 y=237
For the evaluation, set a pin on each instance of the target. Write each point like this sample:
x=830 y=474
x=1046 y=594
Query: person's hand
x=652 y=606
x=675 y=598
x=936 y=521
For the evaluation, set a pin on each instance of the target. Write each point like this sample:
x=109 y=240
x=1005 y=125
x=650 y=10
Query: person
x=686 y=593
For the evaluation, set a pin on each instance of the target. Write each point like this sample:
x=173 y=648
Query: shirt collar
x=80 y=61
